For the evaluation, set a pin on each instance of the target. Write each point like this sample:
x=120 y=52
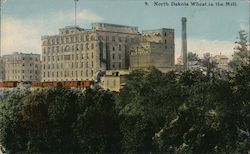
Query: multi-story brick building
x=22 y=67
x=79 y=54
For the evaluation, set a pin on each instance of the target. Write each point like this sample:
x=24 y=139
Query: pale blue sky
x=216 y=25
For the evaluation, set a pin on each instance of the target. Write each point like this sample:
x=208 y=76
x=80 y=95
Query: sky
x=211 y=29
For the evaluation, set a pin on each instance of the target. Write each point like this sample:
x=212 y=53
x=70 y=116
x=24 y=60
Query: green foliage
x=176 y=112
x=241 y=54
x=12 y=133
x=192 y=56
x=146 y=104
x=97 y=125
x=59 y=120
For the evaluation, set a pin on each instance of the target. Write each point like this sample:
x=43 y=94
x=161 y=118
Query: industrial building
x=156 y=49
x=21 y=67
x=2 y=72
x=80 y=54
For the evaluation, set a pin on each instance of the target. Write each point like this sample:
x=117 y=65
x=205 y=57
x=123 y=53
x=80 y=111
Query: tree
x=205 y=123
x=242 y=95
x=12 y=133
x=241 y=54
x=147 y=101
x=192 y=56
x=209 y=64
x=97 y=125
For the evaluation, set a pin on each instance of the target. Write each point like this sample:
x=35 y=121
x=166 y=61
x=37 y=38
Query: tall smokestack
x=184 y=41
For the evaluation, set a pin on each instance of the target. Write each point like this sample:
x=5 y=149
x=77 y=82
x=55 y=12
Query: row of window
x=21 y=58
x=22 y=77
x=23 y=64
x=68 y=48
x=77 y=47
x=67 y=57
x=68 y=74
x=73 y=65
x=83 y=38
x=22 y=71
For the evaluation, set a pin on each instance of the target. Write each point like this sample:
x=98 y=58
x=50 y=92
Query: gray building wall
x=2 y=74
x=22 y=67
x=156 y=49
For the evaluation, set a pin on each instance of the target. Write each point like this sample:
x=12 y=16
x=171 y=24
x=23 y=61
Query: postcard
x=124 y=76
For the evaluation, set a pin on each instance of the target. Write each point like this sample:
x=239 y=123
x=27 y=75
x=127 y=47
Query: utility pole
x=76 y=12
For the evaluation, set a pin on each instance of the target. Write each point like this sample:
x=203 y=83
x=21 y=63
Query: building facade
x=22 y=67
x=79 y=54
x=221 y=62
x=2 y=72
x=114 y=80
x=156 y=49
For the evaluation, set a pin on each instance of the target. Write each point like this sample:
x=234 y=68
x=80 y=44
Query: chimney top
x=184 y=19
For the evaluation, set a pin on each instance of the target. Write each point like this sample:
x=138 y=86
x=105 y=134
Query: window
x=87 y=46
x=87 y=73
x=120 y=47
x=113 y=56
x=77 y=47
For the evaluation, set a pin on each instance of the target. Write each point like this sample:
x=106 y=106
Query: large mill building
x=79 y=54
